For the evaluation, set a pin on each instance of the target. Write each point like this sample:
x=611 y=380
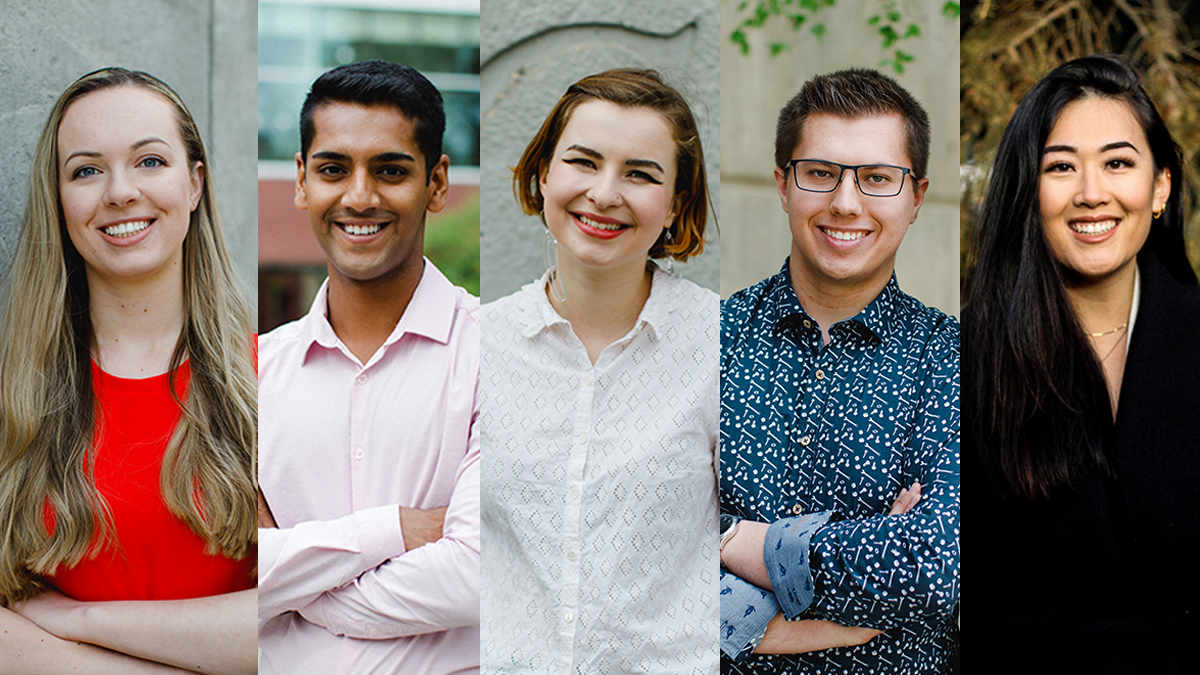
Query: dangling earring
x=670 y=257
x=1159 y=212
x=550 y=251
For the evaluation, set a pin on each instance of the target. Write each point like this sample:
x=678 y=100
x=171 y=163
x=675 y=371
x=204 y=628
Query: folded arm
x=429 y=589
x=742 y=632
x=29 y=649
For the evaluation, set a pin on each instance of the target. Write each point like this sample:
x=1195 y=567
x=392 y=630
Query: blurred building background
x=204 y=50
x=532 y=51
x=300 y=39
x=755 y=86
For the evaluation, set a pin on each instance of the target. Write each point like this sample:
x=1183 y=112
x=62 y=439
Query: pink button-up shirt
x=342 y=445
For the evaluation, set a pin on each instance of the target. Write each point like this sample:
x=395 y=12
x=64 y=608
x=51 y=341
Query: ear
x=1162 y=189
x=919 y=188
x=781 y=183
x=301 y=197
x=197 y=176
x=676 y=209
x=439 y=186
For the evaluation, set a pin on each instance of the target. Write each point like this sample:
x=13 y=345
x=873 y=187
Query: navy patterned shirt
x=844 y=427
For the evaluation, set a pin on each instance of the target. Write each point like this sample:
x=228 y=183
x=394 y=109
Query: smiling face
x=363 y=186
x=845 y=239
x=609 y=187
x=1098 y=188
x=126 y=189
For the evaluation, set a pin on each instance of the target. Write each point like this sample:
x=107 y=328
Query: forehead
x=116 y=117
x=354 y=129
x=872 y=139
x=1093 y=122
x=620 y=132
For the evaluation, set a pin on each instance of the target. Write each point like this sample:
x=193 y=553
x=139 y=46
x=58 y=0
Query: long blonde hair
x=48 y=410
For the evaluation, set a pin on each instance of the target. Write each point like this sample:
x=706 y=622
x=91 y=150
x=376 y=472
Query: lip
x=843 y=244
x=129 y=240
x=1093 y=238
x=595 y=231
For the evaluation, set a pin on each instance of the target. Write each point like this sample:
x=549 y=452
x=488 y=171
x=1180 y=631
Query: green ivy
x=889 y=23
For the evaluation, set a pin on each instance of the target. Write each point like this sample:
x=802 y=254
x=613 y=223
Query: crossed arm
x=743 y=556
x=380 y=573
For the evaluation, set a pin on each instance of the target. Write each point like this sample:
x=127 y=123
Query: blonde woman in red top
x=127 y=401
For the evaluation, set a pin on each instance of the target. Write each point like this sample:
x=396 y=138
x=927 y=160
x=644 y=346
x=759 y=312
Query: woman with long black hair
x=1081 y=381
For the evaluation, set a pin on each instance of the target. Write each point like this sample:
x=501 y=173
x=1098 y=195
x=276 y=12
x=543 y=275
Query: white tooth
x=600 y=226
x=126 y=229
x=363 y=229
x=1094 y=228
x=845 y=236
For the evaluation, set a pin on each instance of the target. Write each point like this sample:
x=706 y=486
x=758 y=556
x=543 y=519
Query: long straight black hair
x=1034 y=392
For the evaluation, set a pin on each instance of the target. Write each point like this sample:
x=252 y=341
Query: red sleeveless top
x=157 y=556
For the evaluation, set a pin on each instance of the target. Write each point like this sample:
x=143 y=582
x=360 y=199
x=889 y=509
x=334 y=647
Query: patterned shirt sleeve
x=746 y=610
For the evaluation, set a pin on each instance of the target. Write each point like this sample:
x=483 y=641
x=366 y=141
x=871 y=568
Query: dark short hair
x=380 y=83
x=854 y=93
x=630 y=88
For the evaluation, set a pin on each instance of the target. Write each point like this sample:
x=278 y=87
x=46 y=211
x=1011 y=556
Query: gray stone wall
x=206 y=50
x=754 y=229
x=532 y=50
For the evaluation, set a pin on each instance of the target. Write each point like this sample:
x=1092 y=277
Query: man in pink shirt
x=368 y=451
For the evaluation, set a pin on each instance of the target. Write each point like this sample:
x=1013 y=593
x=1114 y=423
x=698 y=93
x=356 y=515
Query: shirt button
x=807 y=323
x=571 y=555
x=574 y=494
x=569 y=617
x=372 y=631
x=820 y=374
x=587 y=381
x=359 y=454
x=797 y=510
x=583 y=439
x=805 y=440
x=362 y=379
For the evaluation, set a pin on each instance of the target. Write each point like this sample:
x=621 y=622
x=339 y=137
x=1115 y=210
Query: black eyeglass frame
x=842 y=174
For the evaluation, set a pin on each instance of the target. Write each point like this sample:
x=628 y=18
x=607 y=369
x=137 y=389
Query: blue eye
x=85 y=172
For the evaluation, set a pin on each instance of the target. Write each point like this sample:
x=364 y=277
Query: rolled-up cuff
x=786 y=555
x=746 y=610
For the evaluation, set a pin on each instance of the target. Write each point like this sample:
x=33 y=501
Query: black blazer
x=1105 y=579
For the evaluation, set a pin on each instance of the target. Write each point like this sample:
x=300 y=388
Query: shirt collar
x=430 y=314
x=878 y=317
x=536 y=314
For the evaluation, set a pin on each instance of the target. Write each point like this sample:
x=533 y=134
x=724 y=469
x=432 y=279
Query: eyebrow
x=629 y=162
x=1070 y=148
x=135 y=146
x=381 y=157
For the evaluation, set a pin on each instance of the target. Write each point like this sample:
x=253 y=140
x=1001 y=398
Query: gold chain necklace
x=1109 y=332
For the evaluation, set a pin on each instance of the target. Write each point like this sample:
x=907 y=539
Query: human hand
x=908 y=498
x=795 y=637
x=53 y=612
x=265 y=519
x=421 y=526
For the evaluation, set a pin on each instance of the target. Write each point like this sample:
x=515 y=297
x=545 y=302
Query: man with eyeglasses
x=840 y=409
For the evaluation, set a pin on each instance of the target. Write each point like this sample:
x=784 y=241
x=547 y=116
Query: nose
x=605 y=191
x=1092 y=188
x=121 y=189
x=360 y=192
x=847 y=200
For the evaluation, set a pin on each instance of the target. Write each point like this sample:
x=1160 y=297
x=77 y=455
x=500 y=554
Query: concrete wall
x=532 y=50
x=206 y=50
x=754 y=87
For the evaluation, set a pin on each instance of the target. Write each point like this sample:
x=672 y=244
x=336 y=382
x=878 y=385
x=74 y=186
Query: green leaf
x=913 y=31
x=873 y=20
x=810 y=5
x=819 y=30
x=742 y=7
x=778 y=47
x=889 y=36
x=952 y=10
x=797 y=21
x=738 y=37
x=903 y=57
x=893 y=16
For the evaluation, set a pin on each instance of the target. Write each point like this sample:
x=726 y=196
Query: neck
x=136 y=324
x=364 y=313
x=1104 y=304
x=829 y=302
x=601 y=305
